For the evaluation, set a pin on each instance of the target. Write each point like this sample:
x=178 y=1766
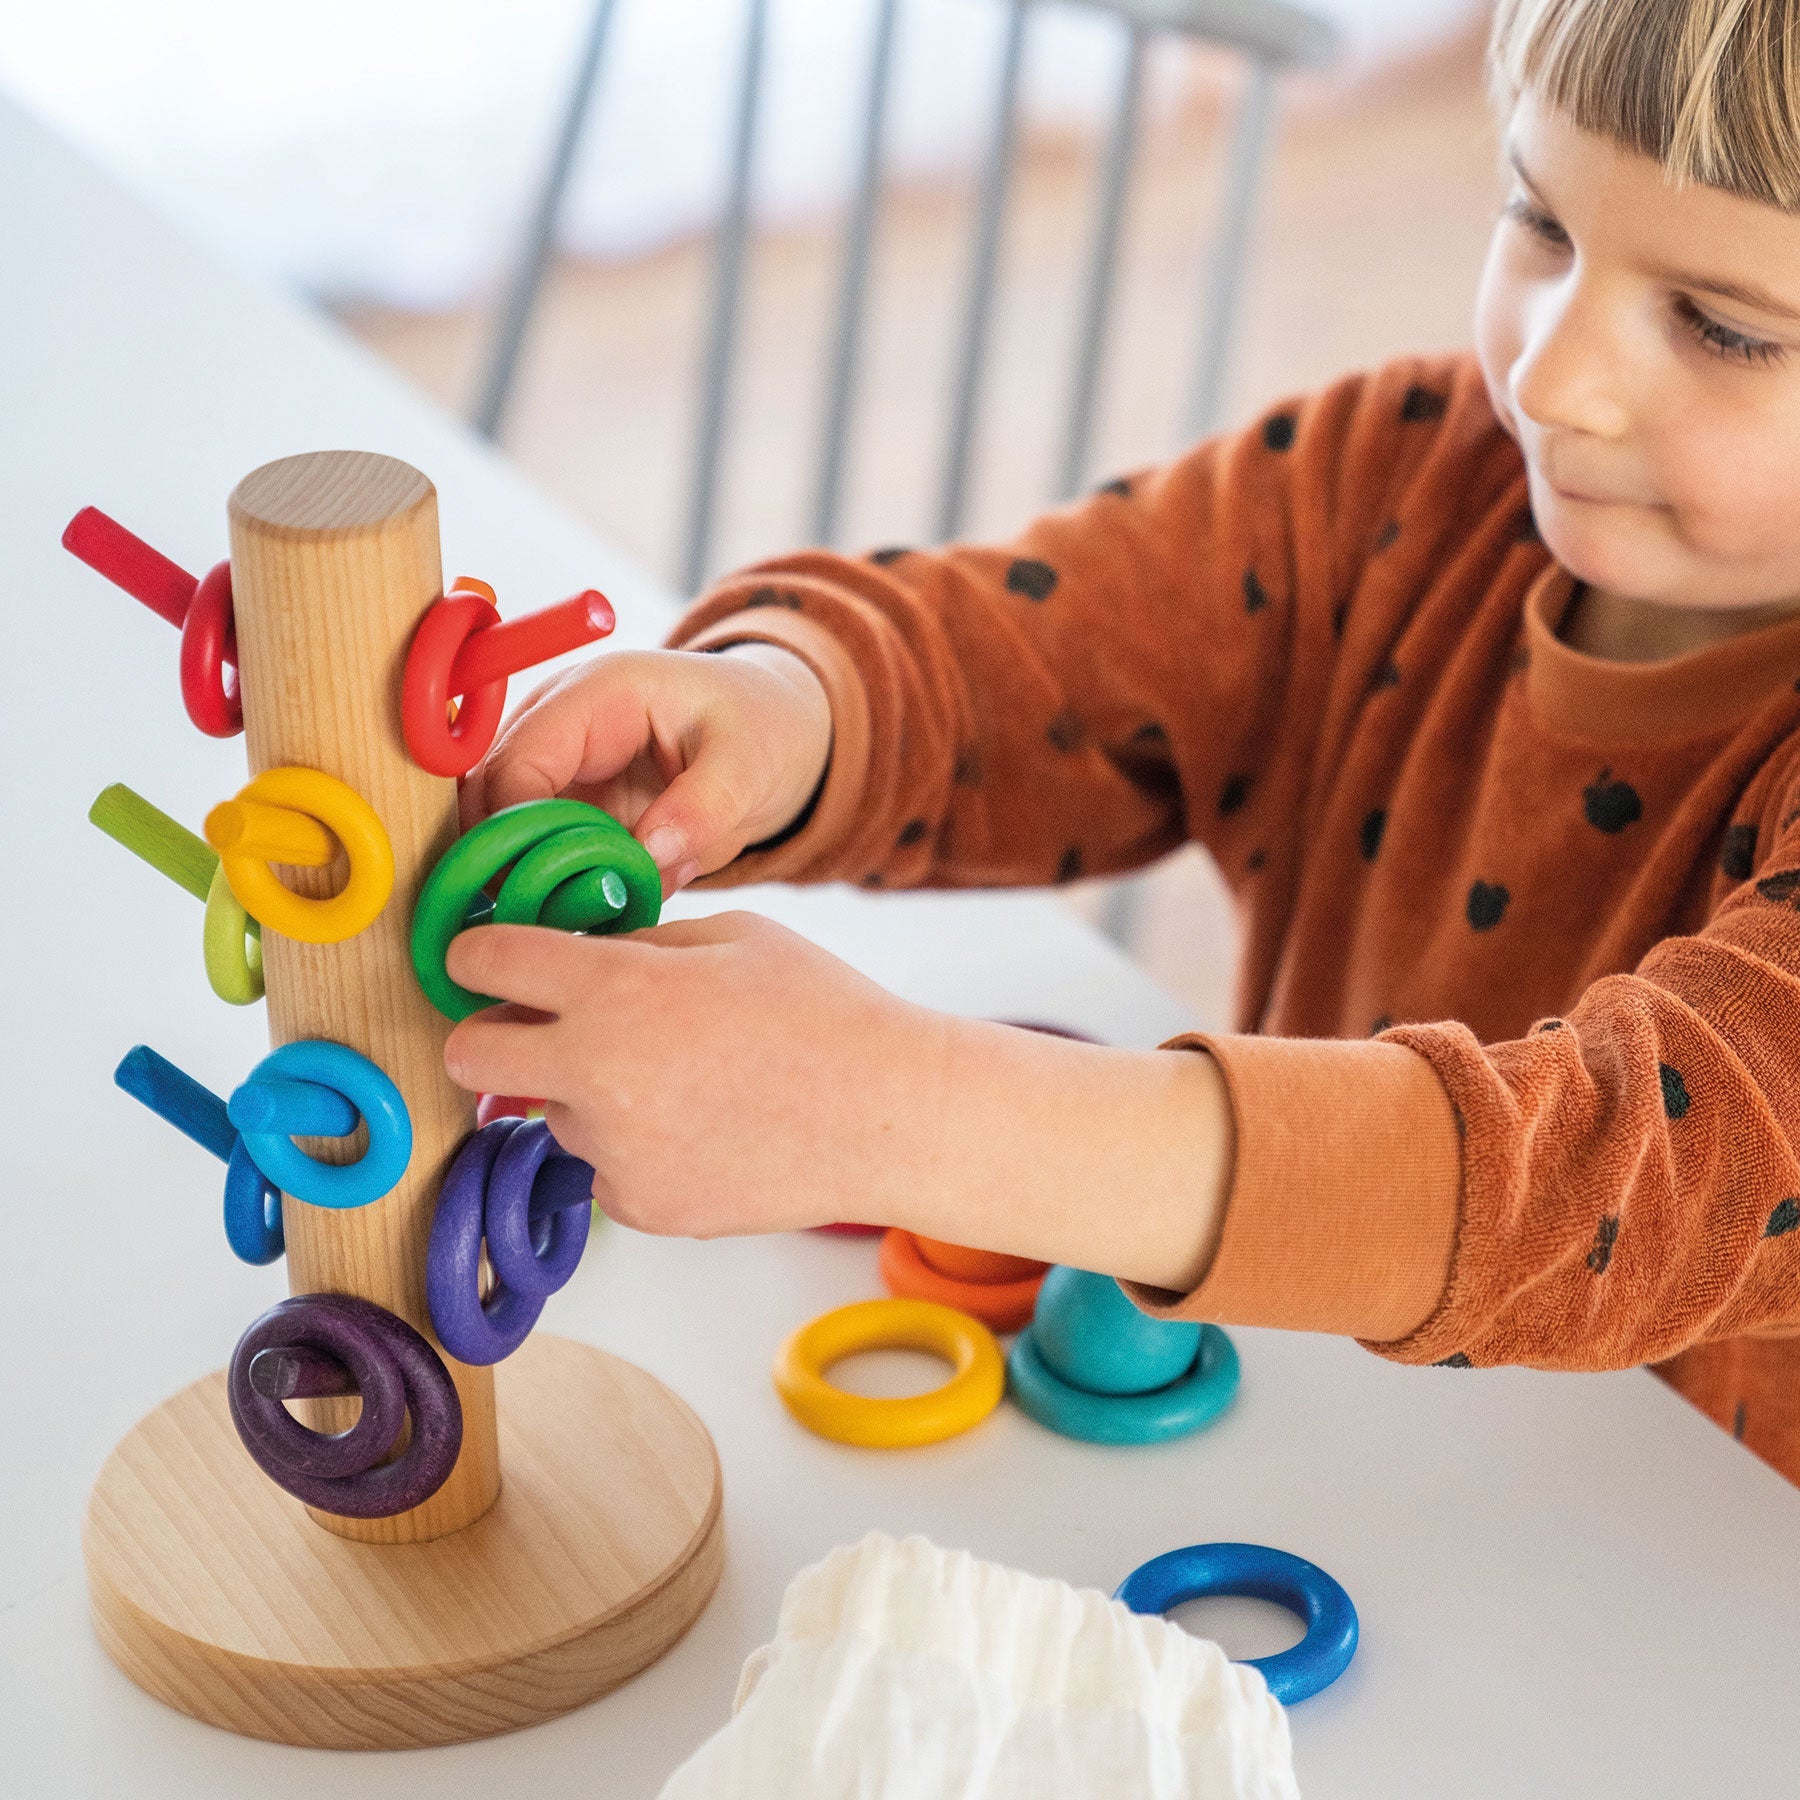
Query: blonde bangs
x=1706 y=87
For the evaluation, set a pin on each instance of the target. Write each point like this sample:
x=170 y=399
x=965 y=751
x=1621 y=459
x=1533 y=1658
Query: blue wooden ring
x=1194 y=1400
x=266 y=1109
x=1263 y=1574
x=253 y=1226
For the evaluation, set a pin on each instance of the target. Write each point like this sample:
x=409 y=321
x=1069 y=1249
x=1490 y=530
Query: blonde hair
x=1709 y=88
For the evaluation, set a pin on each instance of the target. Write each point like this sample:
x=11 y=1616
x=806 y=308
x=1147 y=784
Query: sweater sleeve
x=1119 y=679
x=1629 y=1173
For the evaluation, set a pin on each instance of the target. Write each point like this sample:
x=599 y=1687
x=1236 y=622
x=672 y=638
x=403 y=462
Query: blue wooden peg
x=195 y=1111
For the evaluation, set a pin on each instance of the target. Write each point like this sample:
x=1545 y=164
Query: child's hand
x=700 y=755
x=723 y=1075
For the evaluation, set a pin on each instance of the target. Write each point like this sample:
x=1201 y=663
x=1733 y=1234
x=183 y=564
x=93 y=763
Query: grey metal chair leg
x=853 y=283
x=728 y=281
x=1250 y=138
x=978 y=305
x=540 y=239
x=1103 y=259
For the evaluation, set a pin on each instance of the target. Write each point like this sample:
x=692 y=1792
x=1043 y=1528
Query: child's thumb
x=695 y=823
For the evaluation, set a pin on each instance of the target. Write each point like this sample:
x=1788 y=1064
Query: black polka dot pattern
x=1069 y=869
x=1255 y=860
x=912 y=832
x=1378 y=1026
x=1781 y=888
x=1369 y=838
x=1387 y=676
x=1338 y=614
x=892 y=554
x=966 y=770
x=1525 y=531
x=1387 y=534
x=1278 y=431
x=1455 y=1361
x=1035 y=580
x=1065 y=732
x=1785 y=1218
x=1606 y=1234
x=1674 y=1091
x=1551 y=1025
x=1737 y=1422
x=1256 y=596
x=1422 y=405
x=1150 y=734
x=1737 y=855
x=1118 y=485
x=1487 y=904
x=768 y=596
x=1609 y=804
x=1233 y=794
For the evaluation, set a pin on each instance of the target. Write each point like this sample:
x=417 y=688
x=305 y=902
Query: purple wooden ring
x=512 y=1185
x=397 y=1374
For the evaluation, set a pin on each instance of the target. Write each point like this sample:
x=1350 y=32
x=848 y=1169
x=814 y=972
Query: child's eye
x=1530 y=217
x=1721 y=340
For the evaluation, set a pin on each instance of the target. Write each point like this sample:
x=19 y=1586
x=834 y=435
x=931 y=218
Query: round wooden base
x=214 y=1591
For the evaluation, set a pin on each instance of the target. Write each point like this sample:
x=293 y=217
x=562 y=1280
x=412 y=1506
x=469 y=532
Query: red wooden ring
x=439 y=744
x=1005 y=1305
x=209 y=682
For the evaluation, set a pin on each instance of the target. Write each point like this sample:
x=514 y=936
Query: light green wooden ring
x=233 y=942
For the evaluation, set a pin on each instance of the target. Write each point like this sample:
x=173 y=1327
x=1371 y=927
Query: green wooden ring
x=233 y=944
x=572 y=867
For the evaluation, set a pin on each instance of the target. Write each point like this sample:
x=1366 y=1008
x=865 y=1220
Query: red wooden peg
x=128 y=562
x=514 y=645
x=200 y=610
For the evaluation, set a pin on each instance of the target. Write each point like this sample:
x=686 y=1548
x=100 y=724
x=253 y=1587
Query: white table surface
x=1569 y=1585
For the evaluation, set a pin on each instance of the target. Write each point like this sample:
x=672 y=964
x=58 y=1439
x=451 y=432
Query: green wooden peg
x=149 y=832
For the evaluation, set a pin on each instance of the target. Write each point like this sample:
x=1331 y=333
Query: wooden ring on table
x=232 y=944
x=1004 y=1305
x=209 y=679
x=320 y=800
x=971 y=1393
x=337 y=1343
x=443 y=737
x=1261 y=1573
x=1186 y=1404
x=313 y=1088
x=512 y=1187
x=572 y=868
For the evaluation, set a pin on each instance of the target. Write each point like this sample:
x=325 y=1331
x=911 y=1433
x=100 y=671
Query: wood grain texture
x=334 y=558
x=214 y=1592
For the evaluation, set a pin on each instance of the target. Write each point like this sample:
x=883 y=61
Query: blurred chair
x=1271 y=36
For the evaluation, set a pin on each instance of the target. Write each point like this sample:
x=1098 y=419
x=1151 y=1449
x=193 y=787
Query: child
x=1478 y=677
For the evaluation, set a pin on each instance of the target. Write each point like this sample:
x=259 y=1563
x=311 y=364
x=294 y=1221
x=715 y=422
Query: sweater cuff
x=1345 y=1190
x=811 y=853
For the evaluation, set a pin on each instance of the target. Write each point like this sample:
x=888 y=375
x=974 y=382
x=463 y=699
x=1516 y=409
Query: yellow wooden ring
x=347 y=815
x=964 y=1400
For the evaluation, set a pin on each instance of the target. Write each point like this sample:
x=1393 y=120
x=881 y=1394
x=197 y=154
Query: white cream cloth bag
x=900 y=1671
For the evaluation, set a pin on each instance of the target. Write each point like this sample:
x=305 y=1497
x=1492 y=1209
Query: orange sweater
x=1517 y=1072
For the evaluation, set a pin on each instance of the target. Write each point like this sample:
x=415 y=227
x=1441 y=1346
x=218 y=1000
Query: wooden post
x=209 y=1585
x=334 y=559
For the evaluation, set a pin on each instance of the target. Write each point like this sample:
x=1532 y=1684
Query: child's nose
x=1569 y=374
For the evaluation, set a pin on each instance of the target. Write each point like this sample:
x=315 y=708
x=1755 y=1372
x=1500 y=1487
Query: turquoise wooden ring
x=1185 y=1404
x=267 y=1109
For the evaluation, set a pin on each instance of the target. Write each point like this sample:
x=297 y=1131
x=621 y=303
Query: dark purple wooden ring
x=511 y=1185
x=398 y=1376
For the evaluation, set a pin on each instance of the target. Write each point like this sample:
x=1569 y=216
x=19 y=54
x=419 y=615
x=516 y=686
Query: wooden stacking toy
x=999 y=1290
x=1090 y=1365
x=400 y=1517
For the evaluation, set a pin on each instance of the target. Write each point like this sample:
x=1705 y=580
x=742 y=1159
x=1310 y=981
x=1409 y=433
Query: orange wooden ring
x=1005 y=1305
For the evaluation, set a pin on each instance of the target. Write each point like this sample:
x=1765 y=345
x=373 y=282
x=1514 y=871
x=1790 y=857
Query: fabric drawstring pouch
x=900 y=1671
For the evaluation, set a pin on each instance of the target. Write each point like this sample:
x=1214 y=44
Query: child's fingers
x=580 y=731
x=528 y=964
x=695 y=825
x=499 y=1055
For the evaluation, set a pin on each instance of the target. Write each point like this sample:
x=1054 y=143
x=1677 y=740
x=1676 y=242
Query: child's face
x=1642 y=343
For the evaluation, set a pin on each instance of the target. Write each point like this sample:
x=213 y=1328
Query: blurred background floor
x=1373 y=221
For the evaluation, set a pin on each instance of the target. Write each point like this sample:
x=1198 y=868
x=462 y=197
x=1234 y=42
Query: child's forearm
x=1115 y=1160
